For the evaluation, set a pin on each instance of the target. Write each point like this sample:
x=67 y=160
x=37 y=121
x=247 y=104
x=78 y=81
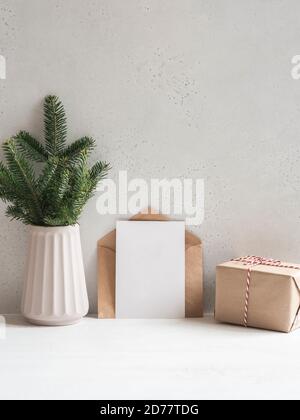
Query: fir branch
x=8 y=187
x=73 y=153
x=17 y=213
x=80 y=188
x=47 y=175
x=31 y=148
x=55 y=125
x=24 y=176
x=61 y=186
x=99 y=171
x=65 y=183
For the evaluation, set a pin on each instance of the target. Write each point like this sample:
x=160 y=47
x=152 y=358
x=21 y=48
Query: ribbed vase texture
x=55 y=289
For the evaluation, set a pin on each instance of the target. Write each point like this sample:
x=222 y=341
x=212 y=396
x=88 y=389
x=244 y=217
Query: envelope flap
x=296 y=278
x=192 y=240
x=109 y=241
x=150 y=215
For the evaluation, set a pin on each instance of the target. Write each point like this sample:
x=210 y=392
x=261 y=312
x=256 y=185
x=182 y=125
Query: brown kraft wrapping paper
x=107 y=271
x=274 y=296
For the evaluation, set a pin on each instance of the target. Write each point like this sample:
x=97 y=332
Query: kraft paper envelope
x=274 y=298
x=107 y=272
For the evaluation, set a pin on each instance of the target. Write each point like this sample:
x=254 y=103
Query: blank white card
x=150 y=270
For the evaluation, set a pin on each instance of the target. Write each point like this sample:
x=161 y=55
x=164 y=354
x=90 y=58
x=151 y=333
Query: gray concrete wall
x=169 y=88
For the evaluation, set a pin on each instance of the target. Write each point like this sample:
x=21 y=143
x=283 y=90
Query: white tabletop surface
x=153 y=359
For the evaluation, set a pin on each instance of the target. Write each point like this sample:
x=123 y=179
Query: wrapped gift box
x=259 y=293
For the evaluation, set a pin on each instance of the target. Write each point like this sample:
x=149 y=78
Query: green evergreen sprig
x=58 y=195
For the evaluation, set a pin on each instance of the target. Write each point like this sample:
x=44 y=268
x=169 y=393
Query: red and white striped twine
x=253 y=261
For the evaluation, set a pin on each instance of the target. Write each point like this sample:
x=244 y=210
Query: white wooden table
x=177 y=359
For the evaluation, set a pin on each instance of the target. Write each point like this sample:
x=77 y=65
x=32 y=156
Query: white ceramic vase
x=55 y=291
